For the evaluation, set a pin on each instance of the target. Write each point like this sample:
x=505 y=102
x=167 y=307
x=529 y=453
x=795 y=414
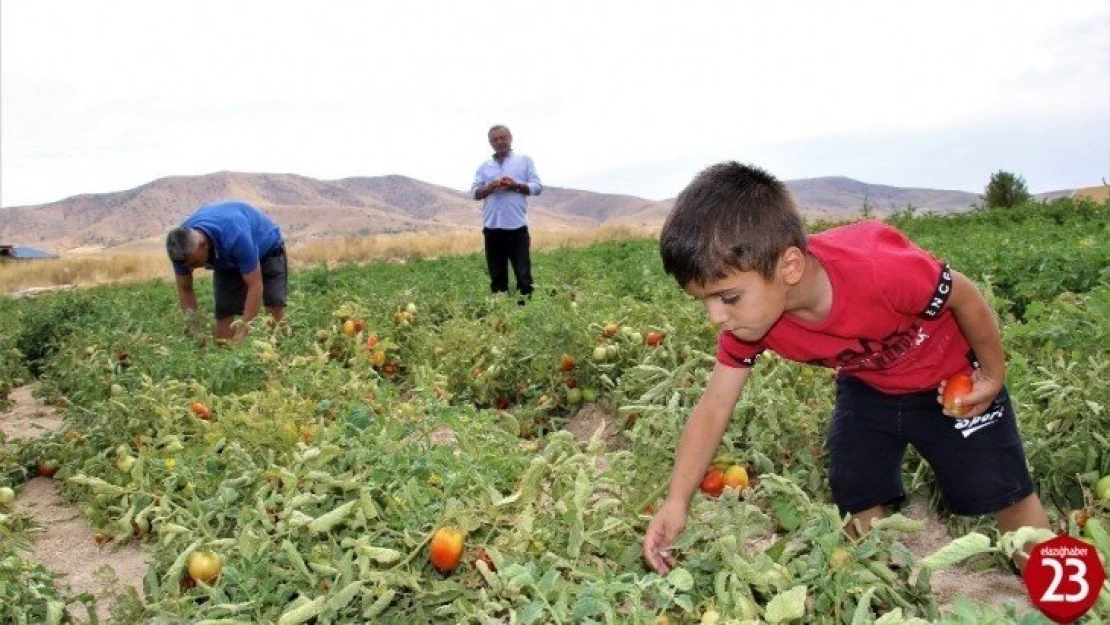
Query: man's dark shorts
x=979 y=462
x=231 y=291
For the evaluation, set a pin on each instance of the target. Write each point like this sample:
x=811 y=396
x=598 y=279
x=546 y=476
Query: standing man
x=245 y=251
x=504 y=183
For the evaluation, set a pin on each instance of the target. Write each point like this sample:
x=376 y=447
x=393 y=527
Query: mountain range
x=309 y=209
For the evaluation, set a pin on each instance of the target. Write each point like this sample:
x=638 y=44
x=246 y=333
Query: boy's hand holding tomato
x=967 y=395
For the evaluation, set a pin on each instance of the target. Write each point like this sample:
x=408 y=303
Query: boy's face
x=744 y=302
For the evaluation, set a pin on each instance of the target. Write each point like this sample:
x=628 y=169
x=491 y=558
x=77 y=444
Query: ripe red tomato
x=47 y=468
x=200 y=410
x=714 y=481
x=446 y=549
x=566 y=363
x=956 y=386
x=653 y=338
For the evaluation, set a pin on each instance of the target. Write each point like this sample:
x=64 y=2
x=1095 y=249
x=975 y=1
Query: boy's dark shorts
x=231 y=291
x=979 y=463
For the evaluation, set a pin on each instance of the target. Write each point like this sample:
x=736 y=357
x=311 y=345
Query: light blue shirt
x=503 y=209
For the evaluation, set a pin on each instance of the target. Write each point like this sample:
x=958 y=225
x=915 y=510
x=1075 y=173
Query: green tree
x=1005 y=190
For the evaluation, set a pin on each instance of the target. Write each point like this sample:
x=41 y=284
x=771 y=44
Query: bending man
x=244 y=249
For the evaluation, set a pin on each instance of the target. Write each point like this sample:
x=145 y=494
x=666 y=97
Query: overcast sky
x=625 y=97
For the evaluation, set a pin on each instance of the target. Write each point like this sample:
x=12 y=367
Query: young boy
x=892 y=320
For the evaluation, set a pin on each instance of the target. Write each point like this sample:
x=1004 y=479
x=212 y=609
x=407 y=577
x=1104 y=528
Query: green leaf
x=862 y=614
x=589 y=604
x=958 y=550
x=786 y=514
x=680 y=579
x=787 y=606
x=532 y=613
x=898 y=523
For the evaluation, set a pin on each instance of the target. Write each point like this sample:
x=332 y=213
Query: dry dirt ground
x=65 y=544
x=993 y=586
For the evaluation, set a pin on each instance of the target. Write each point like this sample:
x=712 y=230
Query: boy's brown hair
x=730 y=217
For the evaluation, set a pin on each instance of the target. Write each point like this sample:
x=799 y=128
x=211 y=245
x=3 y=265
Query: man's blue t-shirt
x=240 y=234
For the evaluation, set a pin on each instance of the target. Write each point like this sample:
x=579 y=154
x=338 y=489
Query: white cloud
x=630 y=97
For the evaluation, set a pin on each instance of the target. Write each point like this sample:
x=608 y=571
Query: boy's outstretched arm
x=700 y=439
x=977 y=322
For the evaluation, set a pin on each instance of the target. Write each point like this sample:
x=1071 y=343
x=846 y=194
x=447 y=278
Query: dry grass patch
x=108 y=267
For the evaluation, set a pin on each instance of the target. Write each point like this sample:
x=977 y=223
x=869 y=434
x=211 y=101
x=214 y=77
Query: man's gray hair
x=180 y=242
x=499 y=127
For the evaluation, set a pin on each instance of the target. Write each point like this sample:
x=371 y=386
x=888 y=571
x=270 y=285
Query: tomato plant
x=330 y=461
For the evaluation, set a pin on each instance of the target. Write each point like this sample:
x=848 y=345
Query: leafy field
x=328 y=461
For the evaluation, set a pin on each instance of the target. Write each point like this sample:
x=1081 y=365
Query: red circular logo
x=1064 y=577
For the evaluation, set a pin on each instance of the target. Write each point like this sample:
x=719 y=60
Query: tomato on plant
x=205 y=566
x=47 y=468
x=653 y=338
x=611 y=329
x=446 y=549
x=199 y=409
x=714 y=481
x=956 y=386
x=1102 y=488
x=566 y=363
x=7 y=496
x=736 y=476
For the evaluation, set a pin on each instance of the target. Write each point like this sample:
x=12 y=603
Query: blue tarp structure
x=23 y=253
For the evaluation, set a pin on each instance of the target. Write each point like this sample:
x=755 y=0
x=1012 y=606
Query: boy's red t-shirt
x=889 y=325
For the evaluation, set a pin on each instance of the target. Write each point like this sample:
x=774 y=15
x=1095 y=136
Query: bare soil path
x=66 y=544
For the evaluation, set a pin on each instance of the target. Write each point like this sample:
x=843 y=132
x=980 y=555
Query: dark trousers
x=502 y=248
